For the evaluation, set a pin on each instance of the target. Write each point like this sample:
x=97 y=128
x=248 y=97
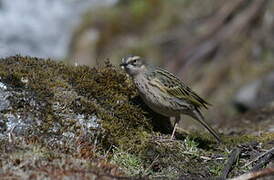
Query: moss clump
x=72 y=112
x=103 y=93
x=107 y=93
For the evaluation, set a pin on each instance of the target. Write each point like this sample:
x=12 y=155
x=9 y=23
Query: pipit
x=164 y=93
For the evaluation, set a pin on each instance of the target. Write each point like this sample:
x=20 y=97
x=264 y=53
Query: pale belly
x=158 y=101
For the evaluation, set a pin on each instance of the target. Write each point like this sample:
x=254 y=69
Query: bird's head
x=133 y=65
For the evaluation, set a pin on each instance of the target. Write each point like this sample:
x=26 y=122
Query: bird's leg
x=177 y=119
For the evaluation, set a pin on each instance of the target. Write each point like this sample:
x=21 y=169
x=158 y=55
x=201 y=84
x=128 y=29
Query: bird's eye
x=134 y=61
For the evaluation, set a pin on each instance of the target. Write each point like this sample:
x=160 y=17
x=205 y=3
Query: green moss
x=231 y=141
x=103 y=92
x=56 y=93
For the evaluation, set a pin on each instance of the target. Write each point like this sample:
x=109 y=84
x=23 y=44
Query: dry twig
x=233 y=158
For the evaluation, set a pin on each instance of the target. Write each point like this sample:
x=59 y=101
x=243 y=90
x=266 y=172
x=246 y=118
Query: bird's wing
x=170 y=84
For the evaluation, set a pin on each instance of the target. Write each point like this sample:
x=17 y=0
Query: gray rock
x=4 y=102
x=256 y=94
x=20 y=114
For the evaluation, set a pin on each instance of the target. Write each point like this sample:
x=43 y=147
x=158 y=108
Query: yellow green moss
x=104 y=92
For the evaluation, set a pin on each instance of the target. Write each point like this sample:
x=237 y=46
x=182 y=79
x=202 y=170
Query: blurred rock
x=256 y=94
x=50 y=22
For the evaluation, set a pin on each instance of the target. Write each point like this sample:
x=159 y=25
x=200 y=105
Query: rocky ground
x=76 y=122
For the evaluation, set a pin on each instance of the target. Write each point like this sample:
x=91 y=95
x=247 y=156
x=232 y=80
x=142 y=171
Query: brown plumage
x=164 y=93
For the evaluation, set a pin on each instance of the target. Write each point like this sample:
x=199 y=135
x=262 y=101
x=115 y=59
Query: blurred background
x=222 y=49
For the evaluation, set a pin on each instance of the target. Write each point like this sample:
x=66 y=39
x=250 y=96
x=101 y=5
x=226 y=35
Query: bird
x=165 y=93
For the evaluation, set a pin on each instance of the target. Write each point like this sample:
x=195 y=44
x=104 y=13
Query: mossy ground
x=123 y=143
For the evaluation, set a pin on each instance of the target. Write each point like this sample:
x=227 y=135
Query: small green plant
x=190 y=145
x=130 y=164
x=216 y=170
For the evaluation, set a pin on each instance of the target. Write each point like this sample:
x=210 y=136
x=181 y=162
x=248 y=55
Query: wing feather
x=170 y=84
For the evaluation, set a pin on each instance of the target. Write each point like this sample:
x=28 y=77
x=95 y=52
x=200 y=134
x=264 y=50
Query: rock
x=256 y=94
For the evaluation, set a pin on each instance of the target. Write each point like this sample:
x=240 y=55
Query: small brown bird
x=165 y=93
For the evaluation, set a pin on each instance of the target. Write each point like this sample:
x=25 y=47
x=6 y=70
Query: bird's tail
x=199 y=117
